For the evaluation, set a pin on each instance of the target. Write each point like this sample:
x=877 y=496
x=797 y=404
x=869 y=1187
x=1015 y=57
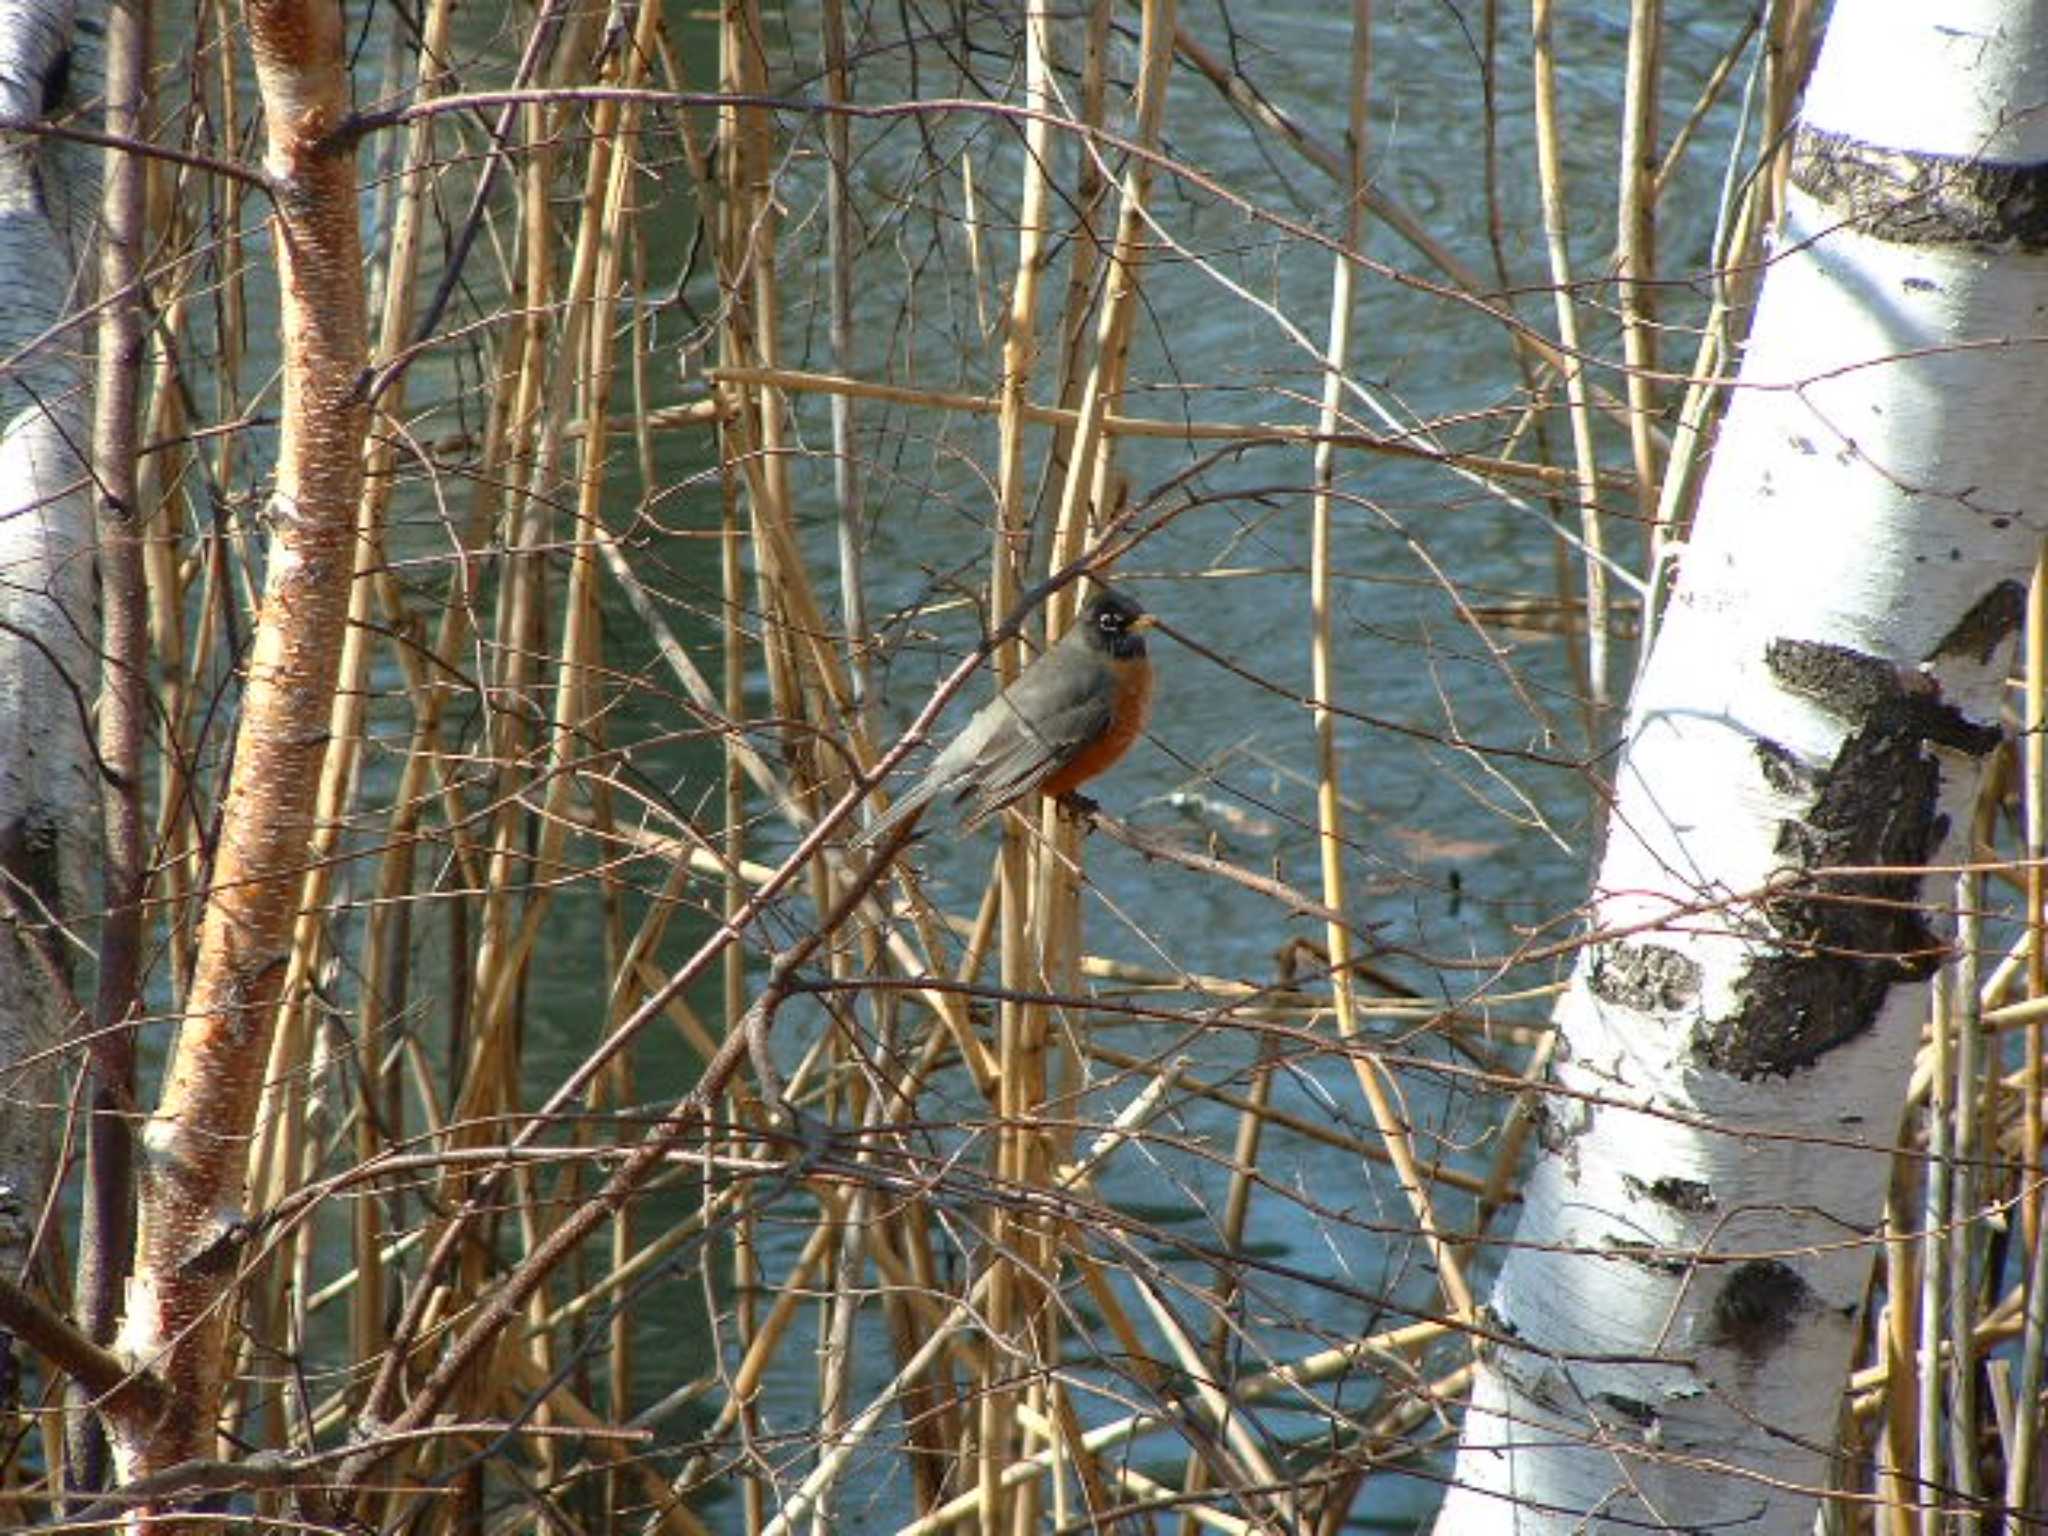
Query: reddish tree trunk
x=195 y=1145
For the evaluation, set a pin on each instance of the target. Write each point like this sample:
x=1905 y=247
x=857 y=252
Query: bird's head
x=1116 y=624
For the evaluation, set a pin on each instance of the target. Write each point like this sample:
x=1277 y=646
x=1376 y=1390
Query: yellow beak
x=1141 y=623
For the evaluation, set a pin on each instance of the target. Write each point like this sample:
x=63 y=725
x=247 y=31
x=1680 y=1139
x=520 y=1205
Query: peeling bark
x=195 y=1145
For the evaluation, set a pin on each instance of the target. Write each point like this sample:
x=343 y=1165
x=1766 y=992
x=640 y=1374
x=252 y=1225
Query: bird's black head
x=1116 y=624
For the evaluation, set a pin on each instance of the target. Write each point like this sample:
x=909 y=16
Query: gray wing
x=1008 y=750
x=953 y=772
x=1032 y=739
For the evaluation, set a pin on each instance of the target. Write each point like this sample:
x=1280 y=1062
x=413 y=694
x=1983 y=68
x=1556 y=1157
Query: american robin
x=1069 y=716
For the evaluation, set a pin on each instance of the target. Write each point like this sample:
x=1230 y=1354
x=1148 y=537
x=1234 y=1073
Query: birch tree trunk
x=49 y=805
x=1668 y=1341
x=195 y=1146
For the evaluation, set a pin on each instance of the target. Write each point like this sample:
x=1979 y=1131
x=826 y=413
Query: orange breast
x=1132 y=708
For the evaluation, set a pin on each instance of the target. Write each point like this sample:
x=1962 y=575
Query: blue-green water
x=1229 y=293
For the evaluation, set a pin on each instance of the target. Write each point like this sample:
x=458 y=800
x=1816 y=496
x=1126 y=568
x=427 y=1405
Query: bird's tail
x=902 y=815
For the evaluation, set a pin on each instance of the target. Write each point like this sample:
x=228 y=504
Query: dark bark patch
x=1847 y=937
x=1861 y=688
x=28 y=853
x=1693 y=1196
x=1910 y=197
x=1783 y=771
x=56 y=82
x=1649 y=1256
x=1757 y=1307
x=1634 y=1409
x=30 y=863
x=1653 y=978
x=1991 y=619
x=1557 y=1125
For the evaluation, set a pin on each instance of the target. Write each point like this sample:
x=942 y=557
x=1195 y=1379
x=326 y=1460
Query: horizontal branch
x=100 y=1371
x=1116 y=425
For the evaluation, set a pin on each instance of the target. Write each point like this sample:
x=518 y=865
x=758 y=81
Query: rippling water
x=1456 y=854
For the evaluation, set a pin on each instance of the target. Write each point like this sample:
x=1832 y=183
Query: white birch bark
x=49 y=626
x=1672 y=1327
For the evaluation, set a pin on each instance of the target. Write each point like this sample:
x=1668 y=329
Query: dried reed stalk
x=907 y=1216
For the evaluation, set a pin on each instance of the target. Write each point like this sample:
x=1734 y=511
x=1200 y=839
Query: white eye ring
x=1106 y=620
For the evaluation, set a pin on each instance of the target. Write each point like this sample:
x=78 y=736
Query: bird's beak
x=1141 y=623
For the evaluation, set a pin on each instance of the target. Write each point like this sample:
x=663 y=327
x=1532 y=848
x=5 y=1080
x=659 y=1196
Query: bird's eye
x=1107 y=620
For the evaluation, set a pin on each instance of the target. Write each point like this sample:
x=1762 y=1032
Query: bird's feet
x=1079 y=806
